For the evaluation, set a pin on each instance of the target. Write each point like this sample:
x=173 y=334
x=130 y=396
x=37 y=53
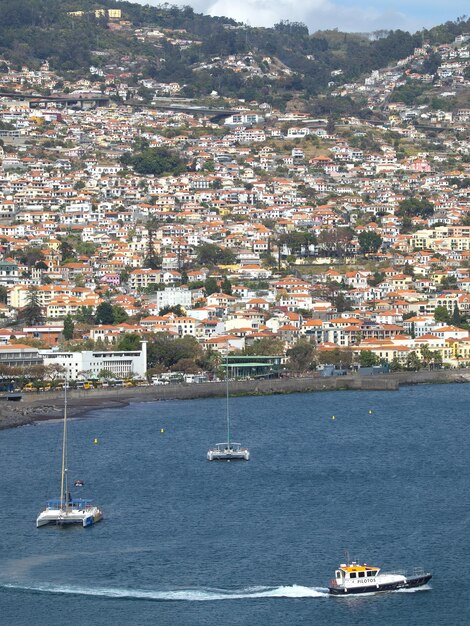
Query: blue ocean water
x=188 y=542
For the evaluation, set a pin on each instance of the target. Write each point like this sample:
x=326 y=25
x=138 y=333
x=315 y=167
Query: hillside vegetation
x=32 y=31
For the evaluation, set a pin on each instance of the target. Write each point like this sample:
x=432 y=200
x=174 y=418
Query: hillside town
x=290 y=243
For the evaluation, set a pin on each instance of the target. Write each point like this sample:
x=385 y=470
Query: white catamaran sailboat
x=68 y=510
x=229 y=450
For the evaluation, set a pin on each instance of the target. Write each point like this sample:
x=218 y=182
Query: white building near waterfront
x=89 y=364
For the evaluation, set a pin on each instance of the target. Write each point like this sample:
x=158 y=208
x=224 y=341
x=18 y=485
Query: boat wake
x=185 y=595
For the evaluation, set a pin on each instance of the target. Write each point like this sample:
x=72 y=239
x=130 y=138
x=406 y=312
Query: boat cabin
x=353 y=574
x=71 y=503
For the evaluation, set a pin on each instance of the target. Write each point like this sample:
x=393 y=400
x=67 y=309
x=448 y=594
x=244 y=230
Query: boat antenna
x=63 y=480
x=346 y=555
x=227 y=396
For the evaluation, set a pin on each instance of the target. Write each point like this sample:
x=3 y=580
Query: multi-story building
x=172 y=296
x=89 y=364
x=8 y=273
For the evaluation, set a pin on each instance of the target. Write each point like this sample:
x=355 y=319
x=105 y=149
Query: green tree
x=415 y=207
x=335 y=241
x=226 y=286
x=85 y=315
x=431 y=63
x=30 y=255
x=154 y=161
x=69 y=327
x=368 y=358
x=395 y=365
x=301 y=356
x=413 y=361
x=211 y=254
x=341 y=302
x=441 y=314
x=119 y=314
x=104 y=314
x=211 y=285
x=3 y=294
x=152 y=260
x=408 y=269
x=298 y=242
x=105 y=374
x=166 y=351
x=187 y=366
x=339 y=357
x=426 y=355
x=31 y=314
x=377 y=278
x=129 y=342
x=369 y=241
x=456 y=317
x=177 y=309
x=265 y=347
x=66 y=250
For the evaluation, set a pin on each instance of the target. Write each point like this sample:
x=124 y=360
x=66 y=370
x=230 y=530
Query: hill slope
x=172 y=44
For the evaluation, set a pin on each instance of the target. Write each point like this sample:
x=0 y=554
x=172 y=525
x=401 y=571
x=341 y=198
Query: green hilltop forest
x=32 y=31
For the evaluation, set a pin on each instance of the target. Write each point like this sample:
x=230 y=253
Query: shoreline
x=37 y=407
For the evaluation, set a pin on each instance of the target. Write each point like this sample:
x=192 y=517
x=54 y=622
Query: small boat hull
x=86 y=518
x=408 y=583
x=230 y=455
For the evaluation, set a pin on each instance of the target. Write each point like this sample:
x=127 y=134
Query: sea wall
x=385 y=382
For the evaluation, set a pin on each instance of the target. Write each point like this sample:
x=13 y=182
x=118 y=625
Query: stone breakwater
x=41 y=406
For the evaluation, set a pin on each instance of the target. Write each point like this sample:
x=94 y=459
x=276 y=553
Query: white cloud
x=316 y=14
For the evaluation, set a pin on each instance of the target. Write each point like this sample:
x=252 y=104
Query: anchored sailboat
x=68 y=510
x=229 y=450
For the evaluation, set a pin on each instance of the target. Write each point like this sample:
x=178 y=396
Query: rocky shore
x=36 y=407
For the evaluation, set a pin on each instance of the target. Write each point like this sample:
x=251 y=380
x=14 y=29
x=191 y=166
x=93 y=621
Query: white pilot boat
x=228 y=450
x=68 y=510
x=354 y=578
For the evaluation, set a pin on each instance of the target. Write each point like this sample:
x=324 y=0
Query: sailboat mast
x=227 y=396
x=63 y=478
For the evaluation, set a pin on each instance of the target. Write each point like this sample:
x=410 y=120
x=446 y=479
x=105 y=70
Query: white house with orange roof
x=451 y=332
x=224 y=343
x=183 y=326
x=258 y=303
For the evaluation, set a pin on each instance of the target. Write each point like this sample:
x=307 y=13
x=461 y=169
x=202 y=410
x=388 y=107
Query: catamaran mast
x=63 y=479
x=227 y=409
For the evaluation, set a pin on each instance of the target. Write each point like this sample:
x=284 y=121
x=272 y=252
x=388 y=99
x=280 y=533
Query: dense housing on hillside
x=239 y=226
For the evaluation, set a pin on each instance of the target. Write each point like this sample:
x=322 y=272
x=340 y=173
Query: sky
x=346 y=15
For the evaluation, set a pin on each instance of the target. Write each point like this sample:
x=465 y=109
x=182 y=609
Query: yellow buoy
x=370 y=412
x=333 y=417
x=162 y=430
x=95 y=440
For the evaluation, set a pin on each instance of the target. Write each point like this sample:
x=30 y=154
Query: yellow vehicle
x=29 y=387
x=87 y=386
